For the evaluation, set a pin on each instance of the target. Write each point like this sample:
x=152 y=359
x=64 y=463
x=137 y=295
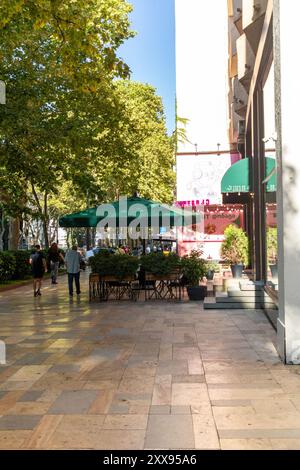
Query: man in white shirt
x=72 y=261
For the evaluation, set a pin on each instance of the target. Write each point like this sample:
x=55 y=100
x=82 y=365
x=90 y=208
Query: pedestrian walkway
x=154 y=375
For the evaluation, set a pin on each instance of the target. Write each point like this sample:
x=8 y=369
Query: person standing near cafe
x=72 y=261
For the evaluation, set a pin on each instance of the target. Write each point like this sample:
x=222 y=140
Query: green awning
x=86 y=218
x=91 y=218
x=237 y=178
x=271 y=170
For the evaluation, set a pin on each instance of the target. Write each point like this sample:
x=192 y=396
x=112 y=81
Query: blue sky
x=151 y=54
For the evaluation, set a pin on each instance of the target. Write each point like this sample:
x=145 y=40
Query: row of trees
x=75 y=128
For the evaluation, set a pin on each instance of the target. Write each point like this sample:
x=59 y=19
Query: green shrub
x=120 y=266
x=235 y=248
x=193 y=268
x=124 y=265
x=160 y=264
x=23 y=267
x=100 y=262
x=272 y=247
x=7 y=266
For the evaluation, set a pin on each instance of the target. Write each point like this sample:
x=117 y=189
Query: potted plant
x=211 y=268
x=235 y=250
x=193 y=269
x=272 y=250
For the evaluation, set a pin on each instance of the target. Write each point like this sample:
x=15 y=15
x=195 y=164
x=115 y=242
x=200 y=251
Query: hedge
x=23 y=267
x=120 y=266
x=7 y=266
x=14 y=265
x=159 y=264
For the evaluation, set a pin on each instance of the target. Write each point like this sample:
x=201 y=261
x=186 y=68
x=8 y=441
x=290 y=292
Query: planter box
x=197 y=293
x=274 y=270
x=210 y=275
x=237 y=271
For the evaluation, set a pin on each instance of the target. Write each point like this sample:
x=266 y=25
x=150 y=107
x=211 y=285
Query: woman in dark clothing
x=54 y=258
x=38 y=264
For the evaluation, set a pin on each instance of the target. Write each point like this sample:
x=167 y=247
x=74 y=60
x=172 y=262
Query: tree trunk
x=2 y=229
x=14 y=234
x=46 y=237
x=46 y=221
x=43 y=211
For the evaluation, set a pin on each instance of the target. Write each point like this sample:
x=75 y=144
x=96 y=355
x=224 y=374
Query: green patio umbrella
x=123 y=217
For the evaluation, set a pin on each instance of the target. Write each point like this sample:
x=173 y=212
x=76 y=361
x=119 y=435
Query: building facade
x=201 y=89
x=264 y=99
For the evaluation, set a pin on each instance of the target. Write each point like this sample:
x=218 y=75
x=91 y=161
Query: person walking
x=72 y=261
x=54 y=259
x=39 y=267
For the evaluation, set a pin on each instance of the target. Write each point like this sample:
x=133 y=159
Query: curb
x=23 y=283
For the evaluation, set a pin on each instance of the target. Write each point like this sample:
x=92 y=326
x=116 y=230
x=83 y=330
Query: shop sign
x=199 y=177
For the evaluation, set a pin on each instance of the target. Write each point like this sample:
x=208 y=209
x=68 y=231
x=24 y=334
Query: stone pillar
x=287 y=92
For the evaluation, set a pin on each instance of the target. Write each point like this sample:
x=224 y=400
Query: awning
x=135 y=207
x=237 y=178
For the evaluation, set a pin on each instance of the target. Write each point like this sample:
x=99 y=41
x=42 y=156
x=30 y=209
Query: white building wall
x=287 y=70
x=269 y=108
x=201 y=68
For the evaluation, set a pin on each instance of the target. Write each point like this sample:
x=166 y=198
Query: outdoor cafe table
x=164 y=287
x=167 y=287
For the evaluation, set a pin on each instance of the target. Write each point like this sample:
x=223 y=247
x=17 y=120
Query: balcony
x=235 y=12
x=234 y=34
x=233 y=70
x=233 y=125
x=239 y=98
x=246 y=61
x=253 y=20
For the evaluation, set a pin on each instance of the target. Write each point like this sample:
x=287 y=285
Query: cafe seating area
x=142 y=286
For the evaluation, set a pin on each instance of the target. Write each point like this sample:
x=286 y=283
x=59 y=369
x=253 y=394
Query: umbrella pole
x=88 y=238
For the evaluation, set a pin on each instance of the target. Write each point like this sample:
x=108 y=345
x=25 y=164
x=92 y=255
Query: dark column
x=258 y=171
x=249 y=207
x=262 y=187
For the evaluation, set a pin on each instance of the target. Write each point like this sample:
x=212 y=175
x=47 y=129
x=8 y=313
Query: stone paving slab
x=11 y=422
x=73 y=402
x=170 y=432
x=152 y=375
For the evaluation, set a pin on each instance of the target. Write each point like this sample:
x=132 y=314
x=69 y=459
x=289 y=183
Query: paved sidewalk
x=141 y=375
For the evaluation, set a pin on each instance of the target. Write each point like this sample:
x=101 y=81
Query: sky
x=151 y=54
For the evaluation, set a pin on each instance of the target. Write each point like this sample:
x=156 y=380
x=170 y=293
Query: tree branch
x=36 y=198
